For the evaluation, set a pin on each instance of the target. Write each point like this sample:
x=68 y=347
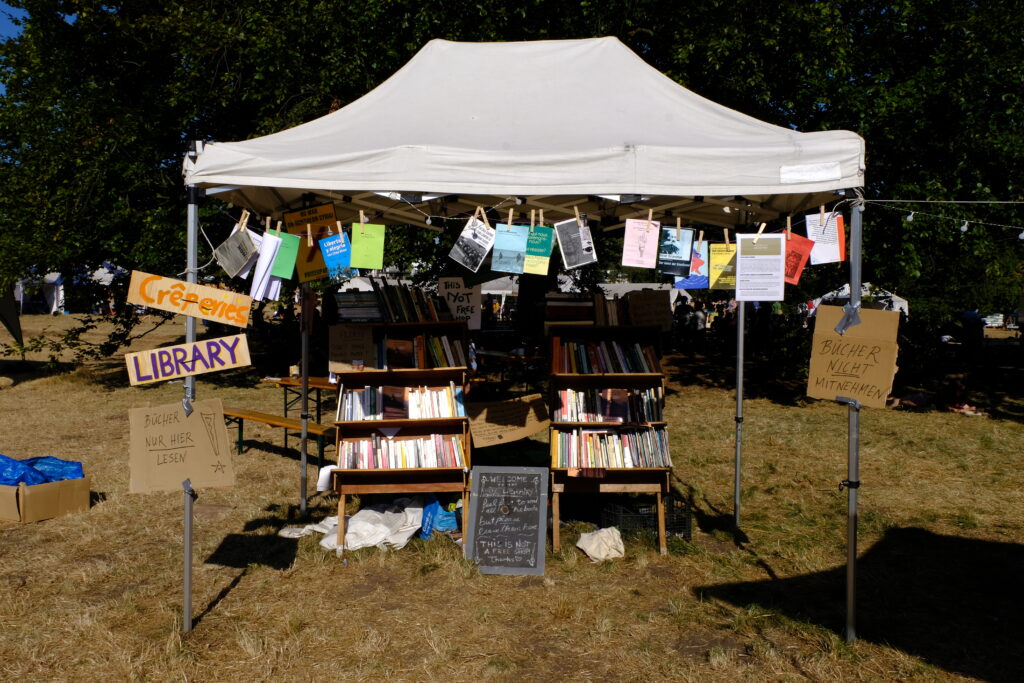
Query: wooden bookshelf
x=381 y=452
x=608 y=433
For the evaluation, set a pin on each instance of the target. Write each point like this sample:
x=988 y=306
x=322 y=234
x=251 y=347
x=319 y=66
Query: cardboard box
x=34 y=503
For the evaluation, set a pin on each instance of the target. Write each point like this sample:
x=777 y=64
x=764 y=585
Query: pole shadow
x=954 y=602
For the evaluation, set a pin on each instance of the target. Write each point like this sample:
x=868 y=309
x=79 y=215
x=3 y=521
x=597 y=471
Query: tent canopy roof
x=559 y=123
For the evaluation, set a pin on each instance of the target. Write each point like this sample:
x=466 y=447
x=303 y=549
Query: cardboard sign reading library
x=859 y=364
x=169 y=362
x=200 y=301
x=167 y=447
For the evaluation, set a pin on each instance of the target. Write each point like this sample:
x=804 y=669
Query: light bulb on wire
x=1021 y=235
x=910 y=218
x=963 y=228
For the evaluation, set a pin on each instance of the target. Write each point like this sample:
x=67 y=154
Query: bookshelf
x=402 y=427
x=608 y=433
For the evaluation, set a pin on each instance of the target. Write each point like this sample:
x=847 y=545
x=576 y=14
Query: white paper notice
x=760 y=267
x=828 y=238
x=261 y=275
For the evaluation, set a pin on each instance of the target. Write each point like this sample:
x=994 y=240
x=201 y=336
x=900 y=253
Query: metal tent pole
x=740 y=325
x=189 y=496
x=852 y=482
x=306 y=319
x=191 y=275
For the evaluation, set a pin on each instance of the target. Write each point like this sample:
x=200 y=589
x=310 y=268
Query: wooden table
x=292 y=393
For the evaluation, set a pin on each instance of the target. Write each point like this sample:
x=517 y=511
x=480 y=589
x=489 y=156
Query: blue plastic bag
x=14 y=472
x=55 y=469
x=37 y=470
x=436 y=517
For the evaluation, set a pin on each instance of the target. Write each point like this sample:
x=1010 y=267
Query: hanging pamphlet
x=287 y=253
x=539 y=243
x=337 y=256
x=723 y=266
x=640 y=244
x=473 y=244
x=698 y=277
x=261 y=273
x=760 y=267
x=829 y=237
x=463 y=301
x=575 y=242
x=235 y=252
x=367 y=246
x=798 y=249
x=510 y=248
x=858 y=364
x=167 y=447
x=675 y=253
x=312 y=222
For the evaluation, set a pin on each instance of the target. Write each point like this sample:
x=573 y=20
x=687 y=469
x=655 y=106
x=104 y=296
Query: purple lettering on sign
x=166 y=364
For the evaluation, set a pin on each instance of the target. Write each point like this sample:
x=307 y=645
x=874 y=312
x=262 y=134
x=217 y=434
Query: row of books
x=594 y=309
x=610 y=449
x=399 y=403
x=376 y=453
x=402 y=303
x=609 y=405
x=423 y=351
x=602 y=357
x=358 y=307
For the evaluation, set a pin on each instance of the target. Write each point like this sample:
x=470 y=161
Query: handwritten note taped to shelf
x=859 y=364
x=167 y=447
x=507 y=514
x=497 y=422
x=350 y=348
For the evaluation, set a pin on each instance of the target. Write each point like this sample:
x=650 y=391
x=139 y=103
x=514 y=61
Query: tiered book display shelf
x=608 y=433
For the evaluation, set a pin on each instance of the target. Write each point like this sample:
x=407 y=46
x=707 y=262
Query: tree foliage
x=101 y=98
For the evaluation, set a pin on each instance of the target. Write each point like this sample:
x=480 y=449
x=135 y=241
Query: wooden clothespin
x=483 y=215
x=533 y=214
x=650 y=217
x=243 y=221
x=362 y=222
x=508 y=226
x=309 y=235
x=267 y=229
x=541 y=218
x=726 y=231
x=700 y=237
x=789 y=228
x=337 y=223
x=759 y=231
x=679 y=229
x=279 y=228
x=579 y=220
x=821 y=218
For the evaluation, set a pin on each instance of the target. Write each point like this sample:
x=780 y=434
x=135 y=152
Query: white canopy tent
x=553 y=125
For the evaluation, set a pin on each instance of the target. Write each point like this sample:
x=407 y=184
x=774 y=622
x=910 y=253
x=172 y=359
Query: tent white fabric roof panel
x=541 y=118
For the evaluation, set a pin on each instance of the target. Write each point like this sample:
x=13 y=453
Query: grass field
x=97 y=595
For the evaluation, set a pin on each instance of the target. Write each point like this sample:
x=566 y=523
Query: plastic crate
x=645 y=518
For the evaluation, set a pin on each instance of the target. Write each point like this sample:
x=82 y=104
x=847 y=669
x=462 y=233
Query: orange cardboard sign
x=199 y=301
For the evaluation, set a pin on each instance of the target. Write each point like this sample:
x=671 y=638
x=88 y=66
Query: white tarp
x=572 y=119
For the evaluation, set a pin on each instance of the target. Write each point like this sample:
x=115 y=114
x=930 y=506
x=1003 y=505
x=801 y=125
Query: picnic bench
x=314 y=429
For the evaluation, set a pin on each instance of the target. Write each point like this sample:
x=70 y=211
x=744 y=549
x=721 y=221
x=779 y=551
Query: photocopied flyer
x=760 y=267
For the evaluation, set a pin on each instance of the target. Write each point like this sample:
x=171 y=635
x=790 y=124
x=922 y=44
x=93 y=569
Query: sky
x=7 y=29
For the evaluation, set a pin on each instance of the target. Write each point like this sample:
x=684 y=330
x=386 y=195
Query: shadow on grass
x=954 y=602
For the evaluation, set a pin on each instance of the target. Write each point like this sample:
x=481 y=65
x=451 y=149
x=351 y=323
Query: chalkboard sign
x=507 y=512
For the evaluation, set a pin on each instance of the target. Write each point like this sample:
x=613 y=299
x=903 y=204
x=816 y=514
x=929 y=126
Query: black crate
x=645 y=518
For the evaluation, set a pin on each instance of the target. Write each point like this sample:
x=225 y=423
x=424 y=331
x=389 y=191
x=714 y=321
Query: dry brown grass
x=97 y=595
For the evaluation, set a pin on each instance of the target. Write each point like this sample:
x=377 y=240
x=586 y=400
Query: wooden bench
x=314 y=429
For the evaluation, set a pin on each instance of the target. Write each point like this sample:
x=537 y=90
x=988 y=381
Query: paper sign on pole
x=167 y=447
x=169 y=362
x=760 y=267
x=320 y=219
x=200 y=301
x=829 y=237
x=463 y=301
x=497 y=422
x=859 y=364
x=350 y=347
